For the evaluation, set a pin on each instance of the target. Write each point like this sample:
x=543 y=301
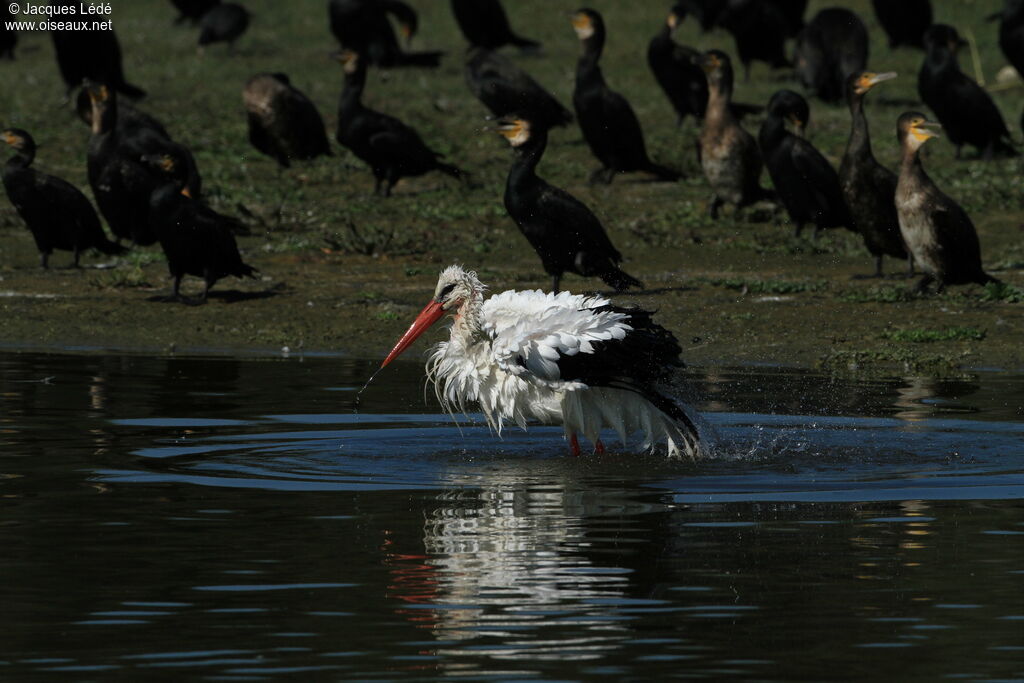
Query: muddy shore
x=814 y=312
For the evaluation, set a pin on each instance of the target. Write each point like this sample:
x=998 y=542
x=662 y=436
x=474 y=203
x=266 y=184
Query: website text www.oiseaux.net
x=46 y=17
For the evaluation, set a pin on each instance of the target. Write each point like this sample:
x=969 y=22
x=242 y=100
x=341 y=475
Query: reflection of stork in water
x=501 y=560
x=574 y=360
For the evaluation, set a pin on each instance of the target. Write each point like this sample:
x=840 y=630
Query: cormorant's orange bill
x=921 y=130
x=430 y=314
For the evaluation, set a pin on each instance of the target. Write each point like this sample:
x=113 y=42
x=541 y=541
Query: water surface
x=238 y=519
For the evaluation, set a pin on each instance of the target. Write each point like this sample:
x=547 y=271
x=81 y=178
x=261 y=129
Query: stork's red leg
x=574 y=445
x=598 y=447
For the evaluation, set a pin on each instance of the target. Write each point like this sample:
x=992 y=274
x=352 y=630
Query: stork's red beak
x=430 y=314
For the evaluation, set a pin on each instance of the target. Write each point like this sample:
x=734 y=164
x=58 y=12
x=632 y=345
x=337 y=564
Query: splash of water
x=355 y=407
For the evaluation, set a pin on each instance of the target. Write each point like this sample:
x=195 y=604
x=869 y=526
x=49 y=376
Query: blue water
x=242 y=519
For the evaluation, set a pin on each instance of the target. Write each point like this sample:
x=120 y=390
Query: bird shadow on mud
x=658 y=290
x=227 y=296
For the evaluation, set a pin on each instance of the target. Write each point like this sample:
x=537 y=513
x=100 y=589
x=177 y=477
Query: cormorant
x=832 y=46
x=608 y=122
x=90 y=55
x=1011 y=32
x=708 y=13
x=566 y=235
x=392 y=149
x=759 y=28
x=793 y=11
x=8 y=36
x=868 y=187
x=225 y=22
x=798 y=112
x=676 y=68
x=806 y=183
x=485 y=24
x=937 y=231
x=196 y=240
x=728 y=154
x=363 y=27
x=129 y=118
x=904 y=21
x=283 y=123
x=504 y=89
x=120 y=182
x=192 y=10
x=966 y=112
x=55 y=211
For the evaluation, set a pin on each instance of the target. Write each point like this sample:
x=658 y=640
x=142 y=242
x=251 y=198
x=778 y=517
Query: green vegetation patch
x=919 y=336
x=845 y=361
x=879 y=295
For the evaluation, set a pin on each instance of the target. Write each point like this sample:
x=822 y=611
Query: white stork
x=557 y=358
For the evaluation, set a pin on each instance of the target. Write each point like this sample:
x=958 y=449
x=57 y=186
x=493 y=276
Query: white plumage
x=556 y=358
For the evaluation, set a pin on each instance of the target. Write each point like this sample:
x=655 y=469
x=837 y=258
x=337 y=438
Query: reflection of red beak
x=430 y=314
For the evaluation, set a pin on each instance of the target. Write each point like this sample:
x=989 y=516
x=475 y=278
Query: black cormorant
x=566 y=235
x=485 y=24
x=727 y=153
x=8 y=36
x=283 y=123
x=793 y=11
x=392 y=149
x=1011 y=32
x=129 y=117
x=363 y=27
x=760 y=29
x=798 y=111
x=868 y=187
x=225 y=22
x=55 y=211
x=967 y=113
x=708 y=13
x=937 y=231
x=806 y=183
x=832 y=46
x=675 y=68
x=192 y=10
x=608 y=122
x=90 y=55
x=504 y=89
x=120 y=182
x=195 y=239
x=904 y=21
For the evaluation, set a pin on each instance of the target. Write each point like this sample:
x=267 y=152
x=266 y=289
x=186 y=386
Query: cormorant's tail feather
x=1004 y=148
x=620 y=280
x=524 y=43
x=986 y=279
x=426 y=59
x=132 y=91
x=452 y=170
